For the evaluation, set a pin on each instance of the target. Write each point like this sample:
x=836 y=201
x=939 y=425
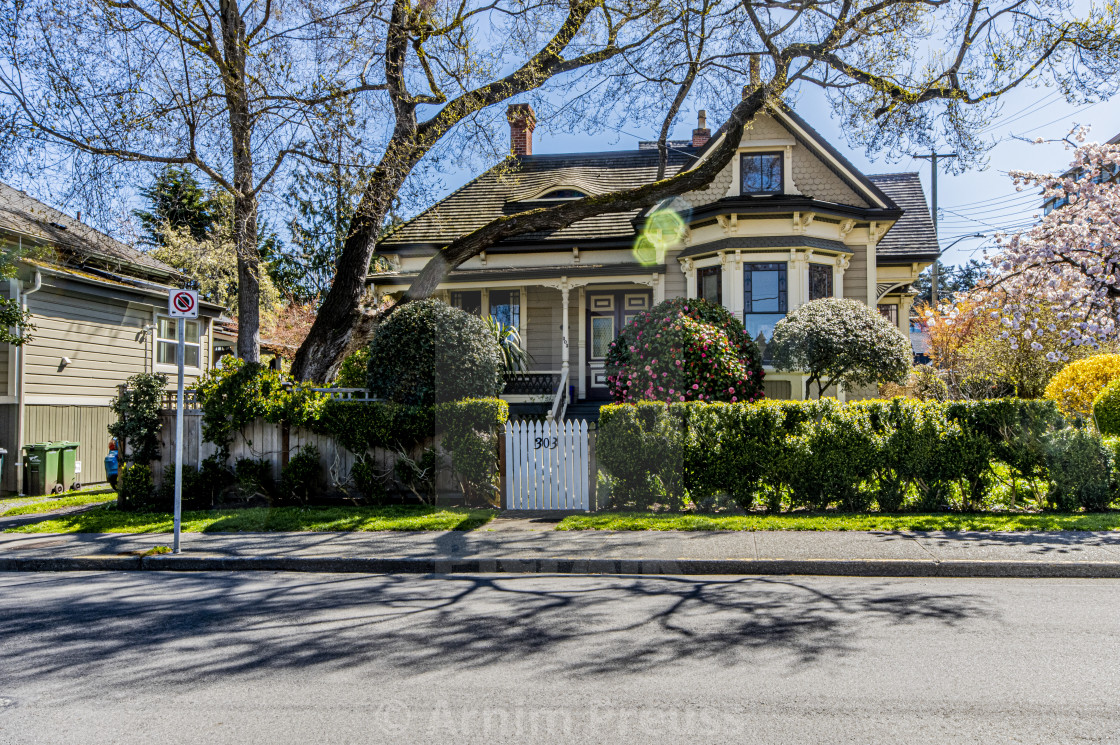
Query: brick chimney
x=701 y=134
x=522 y=121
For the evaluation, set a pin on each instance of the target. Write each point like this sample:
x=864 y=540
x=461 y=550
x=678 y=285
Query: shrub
x=641 y=446
x=235 y=394
x=138 y=417
x=1078 y=384
x=354 y=370
x=428 y=352
x=135 y=490
x=360 y=426
x=1106 y=409
x=832 y=459
x=1080 y=470
x=300 y=478
x=471 y=429
x=840 y=341
x=817 y=453
x=684 y=350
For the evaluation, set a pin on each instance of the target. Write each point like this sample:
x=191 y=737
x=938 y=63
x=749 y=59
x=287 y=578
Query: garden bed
x=264 y=519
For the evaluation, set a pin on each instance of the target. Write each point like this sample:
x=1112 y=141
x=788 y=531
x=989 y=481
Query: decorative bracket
x=846 y=227
x=801 y=222
x=729 y=223
x=843 y=260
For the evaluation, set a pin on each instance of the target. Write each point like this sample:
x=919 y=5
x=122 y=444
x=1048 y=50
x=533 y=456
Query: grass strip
x=268 y=519
x=49 y=503
x=908 y=522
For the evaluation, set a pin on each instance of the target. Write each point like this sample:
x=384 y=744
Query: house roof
x=27 y=216
x=513 y=185
x=912 y=236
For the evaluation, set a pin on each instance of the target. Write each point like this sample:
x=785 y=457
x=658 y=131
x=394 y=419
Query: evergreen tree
x=178 y=201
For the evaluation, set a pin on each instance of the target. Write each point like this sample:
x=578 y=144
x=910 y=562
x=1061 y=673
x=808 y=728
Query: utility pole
x=933 y=157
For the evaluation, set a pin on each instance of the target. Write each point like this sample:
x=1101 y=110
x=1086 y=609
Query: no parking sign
x=182 y=304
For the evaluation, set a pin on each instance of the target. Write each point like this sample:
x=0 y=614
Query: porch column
x=564 y=289
x=904 y=306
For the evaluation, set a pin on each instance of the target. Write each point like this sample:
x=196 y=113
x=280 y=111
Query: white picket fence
x=547 y=466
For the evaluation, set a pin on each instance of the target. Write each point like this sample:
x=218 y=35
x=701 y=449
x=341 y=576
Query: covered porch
x=566 y=316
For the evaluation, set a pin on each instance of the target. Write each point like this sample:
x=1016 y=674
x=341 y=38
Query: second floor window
x=709 y=284
x=761 y=173
x=820 y=281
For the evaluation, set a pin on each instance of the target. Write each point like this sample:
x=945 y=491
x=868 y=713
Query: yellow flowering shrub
x=1079 y=383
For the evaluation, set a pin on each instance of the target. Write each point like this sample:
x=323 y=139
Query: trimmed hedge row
x=898 y=453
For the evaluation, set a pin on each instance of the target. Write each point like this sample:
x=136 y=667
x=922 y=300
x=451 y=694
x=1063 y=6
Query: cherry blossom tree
x=1062 y=277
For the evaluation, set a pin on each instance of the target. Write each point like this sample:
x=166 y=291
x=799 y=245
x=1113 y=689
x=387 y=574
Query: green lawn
x=920 y=522
x=12 y=506
x=264 y=519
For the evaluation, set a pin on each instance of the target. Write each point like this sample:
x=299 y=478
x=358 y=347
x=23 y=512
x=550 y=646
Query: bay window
x=764 y=300
x=709 y=284
x=820 y=281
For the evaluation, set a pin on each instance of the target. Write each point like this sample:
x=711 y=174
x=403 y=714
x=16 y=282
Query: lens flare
x=663 y=230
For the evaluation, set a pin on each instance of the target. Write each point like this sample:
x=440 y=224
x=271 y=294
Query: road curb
x=513 y=565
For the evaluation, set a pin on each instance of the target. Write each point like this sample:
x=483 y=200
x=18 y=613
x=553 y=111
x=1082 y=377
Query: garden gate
x=547 y=466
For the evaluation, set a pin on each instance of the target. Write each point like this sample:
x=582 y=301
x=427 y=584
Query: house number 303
x=545 y=442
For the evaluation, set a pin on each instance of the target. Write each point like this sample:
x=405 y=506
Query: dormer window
x=558 y=194
x=761 y=173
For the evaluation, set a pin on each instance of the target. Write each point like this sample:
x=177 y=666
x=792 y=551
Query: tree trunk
x=244 y=198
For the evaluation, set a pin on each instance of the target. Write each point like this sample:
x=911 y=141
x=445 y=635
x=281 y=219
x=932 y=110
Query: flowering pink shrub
x=684 y=350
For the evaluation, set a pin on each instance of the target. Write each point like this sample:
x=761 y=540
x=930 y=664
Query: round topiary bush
x=684 y=350
x=1106 y=409
x=428 y=352
x=1077 y=385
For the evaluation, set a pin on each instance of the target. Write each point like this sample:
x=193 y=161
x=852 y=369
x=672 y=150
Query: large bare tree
x=229 y=87
x=903 y=74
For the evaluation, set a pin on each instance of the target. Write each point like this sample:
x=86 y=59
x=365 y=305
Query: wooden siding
x=777 y=390
x=855 y=276
x=98 y=335
x=88 y=425
x=542 y=331
x=676 y=284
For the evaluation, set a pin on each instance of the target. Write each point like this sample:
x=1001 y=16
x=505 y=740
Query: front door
x=607 y=313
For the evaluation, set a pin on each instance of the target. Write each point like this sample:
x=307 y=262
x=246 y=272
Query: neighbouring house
x=100 y=313
x=789 y=220
x=1053 y=203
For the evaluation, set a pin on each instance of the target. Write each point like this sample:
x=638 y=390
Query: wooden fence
x=264 y=440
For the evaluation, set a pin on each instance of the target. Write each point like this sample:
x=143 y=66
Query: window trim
x=781 y=156
x=157 y=339
x=511 y=291
x=481 y=306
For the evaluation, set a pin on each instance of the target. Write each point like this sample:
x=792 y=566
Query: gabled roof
x=27 y=216
x=912 y=236
x=510 y=186
x=503 y=189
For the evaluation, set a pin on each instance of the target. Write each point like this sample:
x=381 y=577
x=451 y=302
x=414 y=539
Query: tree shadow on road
x=85 y=630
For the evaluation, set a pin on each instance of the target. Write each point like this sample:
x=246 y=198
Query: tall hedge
x=816 y=454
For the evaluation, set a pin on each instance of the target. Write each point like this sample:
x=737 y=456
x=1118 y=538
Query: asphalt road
x=285 y=658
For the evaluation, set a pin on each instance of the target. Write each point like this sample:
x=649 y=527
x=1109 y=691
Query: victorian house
x=789 y=220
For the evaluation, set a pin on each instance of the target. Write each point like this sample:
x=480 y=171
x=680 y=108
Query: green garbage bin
x=67 y=458
x=40 y=469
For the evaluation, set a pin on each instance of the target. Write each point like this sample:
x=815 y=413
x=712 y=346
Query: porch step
x=588 y=410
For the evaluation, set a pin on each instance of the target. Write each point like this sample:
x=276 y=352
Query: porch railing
x=560 y=401
x=538 y=383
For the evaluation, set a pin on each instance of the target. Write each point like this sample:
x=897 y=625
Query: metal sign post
x=181 y=304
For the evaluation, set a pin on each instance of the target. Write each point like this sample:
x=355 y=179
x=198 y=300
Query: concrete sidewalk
x=531 y=547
